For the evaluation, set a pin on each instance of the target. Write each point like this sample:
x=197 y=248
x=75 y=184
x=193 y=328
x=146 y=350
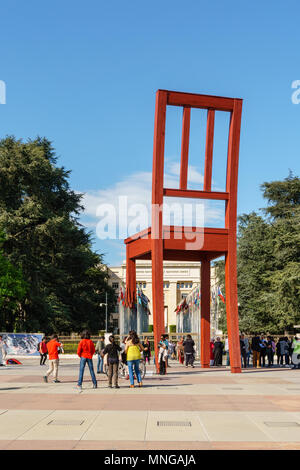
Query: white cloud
x=137 y=189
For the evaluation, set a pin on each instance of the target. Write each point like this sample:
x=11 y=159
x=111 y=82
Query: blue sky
x=84 y=74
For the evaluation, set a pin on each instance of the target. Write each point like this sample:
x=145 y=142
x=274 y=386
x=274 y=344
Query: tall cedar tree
x=269 y=262
x=39 y=214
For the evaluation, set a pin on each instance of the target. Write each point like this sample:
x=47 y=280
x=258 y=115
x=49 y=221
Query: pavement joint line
x=146 y=426
x=260 y=427
x=35 y=424
x=92 y=422
x=202 y=426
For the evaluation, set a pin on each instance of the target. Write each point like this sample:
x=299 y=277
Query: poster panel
x=22 y=344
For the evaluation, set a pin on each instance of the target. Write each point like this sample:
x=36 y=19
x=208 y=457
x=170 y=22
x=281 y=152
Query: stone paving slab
x=225 y=411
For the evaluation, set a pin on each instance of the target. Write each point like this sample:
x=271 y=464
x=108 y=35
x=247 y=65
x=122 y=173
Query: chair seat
x=181 y=243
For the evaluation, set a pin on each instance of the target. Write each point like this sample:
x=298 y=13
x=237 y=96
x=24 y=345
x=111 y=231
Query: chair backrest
x=187 y=101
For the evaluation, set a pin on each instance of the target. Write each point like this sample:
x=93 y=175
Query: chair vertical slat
x=209 y=149
x=185 y=139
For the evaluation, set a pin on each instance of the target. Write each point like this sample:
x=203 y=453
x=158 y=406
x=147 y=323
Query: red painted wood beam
x=194 y=194
x=157 y=221
x=186 y=118
x=209 y=149
x=230 y=223
x=218 y=103
x=205 y=313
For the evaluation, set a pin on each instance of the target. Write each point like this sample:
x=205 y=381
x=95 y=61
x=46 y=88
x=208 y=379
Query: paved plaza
x=186 y=409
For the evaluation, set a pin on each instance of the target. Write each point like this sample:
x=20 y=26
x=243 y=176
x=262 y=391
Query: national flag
x=221 y=295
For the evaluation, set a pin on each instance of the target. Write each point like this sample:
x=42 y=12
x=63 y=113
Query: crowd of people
x=129 y=352
x=258 y=351
x=264 y=351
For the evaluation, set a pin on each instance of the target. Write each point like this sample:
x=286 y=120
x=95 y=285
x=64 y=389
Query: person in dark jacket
x=243 y=351
x=112 y=350
x=255 y=350
x=189 y=352
x=218 y=352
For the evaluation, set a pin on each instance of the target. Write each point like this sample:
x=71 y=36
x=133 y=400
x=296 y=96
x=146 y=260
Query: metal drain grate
x=232 y=388
x=282 y=424
x=61 y=422
x=174 y=423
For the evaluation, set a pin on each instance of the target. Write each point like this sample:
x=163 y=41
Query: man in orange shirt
x=53 y=345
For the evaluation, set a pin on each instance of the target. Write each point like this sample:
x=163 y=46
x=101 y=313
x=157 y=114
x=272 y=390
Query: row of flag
x=194 y=298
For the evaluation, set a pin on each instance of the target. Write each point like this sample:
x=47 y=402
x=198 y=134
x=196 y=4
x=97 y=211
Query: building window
x=141 y=285
x=115 y=285
x=184 y=285
x=166 y=285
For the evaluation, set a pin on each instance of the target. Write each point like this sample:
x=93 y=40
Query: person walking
x=226 y=348
x=218 y=352
x=162 y=357
x=247 y=348
x=2 y=351
x=243 y=351
x=270 y=354
x=133 y=350
x=43 y=351
x=112 y=350
x=100 y=345
x=53 y=347
x=189 y=351
x=296 y=352
x=284 y=351
x=86 y=350
x=278 y=352
x=263 y=351
x=180 y=350
x=212 y=353
x=255 y=350
x=147 y=350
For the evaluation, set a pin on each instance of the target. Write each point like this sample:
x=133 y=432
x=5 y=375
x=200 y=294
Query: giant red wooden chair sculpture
x=152 y=244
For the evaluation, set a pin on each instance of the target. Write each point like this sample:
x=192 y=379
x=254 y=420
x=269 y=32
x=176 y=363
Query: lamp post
x=101 y=305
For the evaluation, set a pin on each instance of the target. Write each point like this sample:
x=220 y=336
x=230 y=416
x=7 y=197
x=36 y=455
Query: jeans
x=113 y=373
x=227 y=358
x=136 y=366
x=83 y=361
x=189 y=359
x=100 y=364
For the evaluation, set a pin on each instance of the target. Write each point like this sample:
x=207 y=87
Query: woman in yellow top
x=133 y=350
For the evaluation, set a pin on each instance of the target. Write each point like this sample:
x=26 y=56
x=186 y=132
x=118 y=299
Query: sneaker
x=45 y=378
x=117 y=386
x=140 y=384
x=95 y=386
x=131 y=386
x=56 y=381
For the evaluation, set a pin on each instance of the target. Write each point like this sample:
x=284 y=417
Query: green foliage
x=269 y=262
x=39 y=214
x=12 y=289
x=150 y=328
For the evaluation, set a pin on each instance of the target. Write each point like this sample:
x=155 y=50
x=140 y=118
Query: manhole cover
x=61 y=422
x=282 y=424
x=174 y=423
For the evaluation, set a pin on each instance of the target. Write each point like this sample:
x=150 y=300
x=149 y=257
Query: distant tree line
x=269 y=262
x=50 y=278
